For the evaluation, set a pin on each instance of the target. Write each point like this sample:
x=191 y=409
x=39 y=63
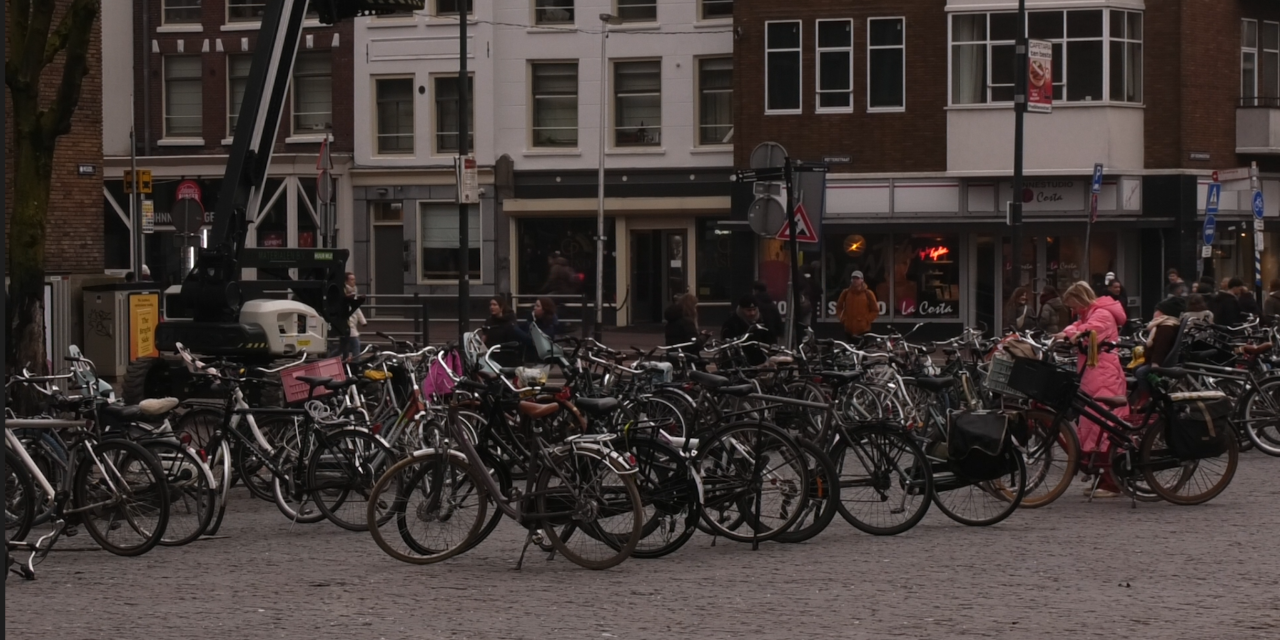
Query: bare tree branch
x=19 y=15
x=31 y=62
x=58 y=39
x=80 y=17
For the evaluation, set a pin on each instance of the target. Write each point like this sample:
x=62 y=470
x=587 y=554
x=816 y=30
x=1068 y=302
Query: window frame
x=421 y=248
x=697 y=101
x=436 y=151
x=293 y=95
x=818 y=50
x=903 y=48
x=435 y=8
x=617 y=10
x=232 y=110
x=1246 y=50
x=164 y=100
x=613 y=103
x=702 y=11
x=538 y=22
x=1125 y=43
x=245 y=3
x=799 y=50
x=533 y=105
x=377 y=150
x=164 y=14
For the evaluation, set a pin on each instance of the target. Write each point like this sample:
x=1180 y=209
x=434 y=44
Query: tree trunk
x=33 y=175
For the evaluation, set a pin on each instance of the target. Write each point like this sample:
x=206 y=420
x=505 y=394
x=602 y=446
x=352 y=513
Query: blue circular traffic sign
x=1257 y=204
x=1210 y=225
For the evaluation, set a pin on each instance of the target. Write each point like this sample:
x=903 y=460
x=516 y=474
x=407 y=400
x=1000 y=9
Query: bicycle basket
x=998 y=376
x=1044 y=382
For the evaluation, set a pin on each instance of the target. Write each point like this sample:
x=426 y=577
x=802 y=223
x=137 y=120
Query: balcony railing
x=1267 y=102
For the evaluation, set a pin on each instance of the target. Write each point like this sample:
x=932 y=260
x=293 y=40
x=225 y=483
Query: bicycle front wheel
x=19 y=498
x=193 y=497
x=982 y=504
x=885 y=482
x=1261 y=417
x=592 y=514
x=341 y=475
x=753 y=473
x=1050 y=454
x=122 y=497
x=427 y=508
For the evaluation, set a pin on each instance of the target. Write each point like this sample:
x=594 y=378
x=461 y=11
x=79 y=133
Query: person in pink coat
x=1104 y=316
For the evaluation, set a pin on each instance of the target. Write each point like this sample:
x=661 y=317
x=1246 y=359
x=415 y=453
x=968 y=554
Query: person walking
x=1017 y=311
x=857 y=307
x=1101 y=375
x=1053 y=314
x=561 y=278
x=682 y=324
x=1224 y=305
x=746 y=320
x=1244 y=297
x=1175 y=287
x=349 y=346
x=1271 y=303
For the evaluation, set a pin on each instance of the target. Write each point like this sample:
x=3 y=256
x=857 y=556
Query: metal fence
x=410 y=316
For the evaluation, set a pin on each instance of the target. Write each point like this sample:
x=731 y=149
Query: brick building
x=74 y=196
x=187 y=62
x=911 y=106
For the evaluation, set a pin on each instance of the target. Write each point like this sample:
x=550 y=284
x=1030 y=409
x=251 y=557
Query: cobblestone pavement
x=1078 y=570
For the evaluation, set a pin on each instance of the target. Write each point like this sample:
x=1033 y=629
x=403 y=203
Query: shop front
x=1237 y=235
x=939 y=251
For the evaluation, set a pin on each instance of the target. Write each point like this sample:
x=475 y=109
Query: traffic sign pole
x=1258 y=210
x=793 y=249
x=1094 y=190
x=1210 y=222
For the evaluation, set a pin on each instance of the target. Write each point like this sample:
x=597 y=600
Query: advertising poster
x=1039 y=76
x=144 y=313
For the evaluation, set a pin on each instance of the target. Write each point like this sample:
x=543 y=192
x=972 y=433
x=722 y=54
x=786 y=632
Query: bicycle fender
x=424 y=453
x=614 y=459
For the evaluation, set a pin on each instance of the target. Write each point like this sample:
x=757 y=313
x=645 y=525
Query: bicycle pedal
x=71 y=532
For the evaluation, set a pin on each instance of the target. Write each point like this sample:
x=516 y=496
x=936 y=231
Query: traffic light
x=143 y=181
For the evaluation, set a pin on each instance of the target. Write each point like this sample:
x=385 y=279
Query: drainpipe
x=146 y=77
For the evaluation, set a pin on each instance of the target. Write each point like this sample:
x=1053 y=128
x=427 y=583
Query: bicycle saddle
x=935 y=384
x=338 y=385
x=708 y=380
x=1255 y=349
x=839 y=378
x=738 y=390
x=597 y=406
x=535 y=410
x=123 y=411
x=315 y=381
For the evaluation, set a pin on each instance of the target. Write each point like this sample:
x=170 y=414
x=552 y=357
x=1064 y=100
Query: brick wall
x=913 y=140
x=215 y=89
x=74 y=237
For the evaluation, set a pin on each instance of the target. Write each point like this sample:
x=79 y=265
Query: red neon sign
x=933 y=253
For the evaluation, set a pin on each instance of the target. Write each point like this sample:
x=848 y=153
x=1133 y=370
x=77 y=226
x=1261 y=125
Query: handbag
x=977 y=444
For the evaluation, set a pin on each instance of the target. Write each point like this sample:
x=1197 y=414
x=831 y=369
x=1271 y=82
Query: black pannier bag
x=1200 y=425
x=977 y=442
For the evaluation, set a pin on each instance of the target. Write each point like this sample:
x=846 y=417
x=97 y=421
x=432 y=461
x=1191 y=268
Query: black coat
x=502 y=330
x=735 y=327
x=680 y=329
x=1248 y=304
x=769 y=314
x=1225 y=308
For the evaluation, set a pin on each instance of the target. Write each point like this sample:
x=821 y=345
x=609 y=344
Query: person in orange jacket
x=857 y=307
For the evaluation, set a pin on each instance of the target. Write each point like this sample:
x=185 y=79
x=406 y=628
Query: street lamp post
x=606 y=19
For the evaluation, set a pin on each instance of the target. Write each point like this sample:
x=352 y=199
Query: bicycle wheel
x=250 y=468
x=824 y=496
x=1050 y=454
x=51 y=458
x=341 y=475
x=192 y=493
x=1261 y=417
x=289 y=490
x=200 y=423
x=120 y=492
x=885 y=481
x=590 y=513
x=1185 y=482
x=753 y=473
x=220 y=466
x=19 y=498
x=426 y=508
x=669 y=495
x=648 y=415
x=981 y=504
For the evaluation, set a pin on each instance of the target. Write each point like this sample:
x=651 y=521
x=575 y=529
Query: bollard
x=426 y=323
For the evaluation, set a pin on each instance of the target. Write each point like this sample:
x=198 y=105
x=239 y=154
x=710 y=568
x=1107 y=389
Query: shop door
x=1058 y=261
x=658 y=266
x=388 y=261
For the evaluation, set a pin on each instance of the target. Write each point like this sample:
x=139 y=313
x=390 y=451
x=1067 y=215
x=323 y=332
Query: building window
x=886 y=63
x=713 y=9
x=715 y=100
x=313 y=94
x=782 y=67
x=237 y=80
x=182 y=97
x=553 y=11
x=245 y=10
x=181 y=12
x=555 y=104
x=1126 y=56
x=446 y=135
x=982 y=55
x=1249 y=62
x=637 y=100
x=450 y=7
x=395 y=115
x=637 y=10
x=439 y=241
x=835 y=65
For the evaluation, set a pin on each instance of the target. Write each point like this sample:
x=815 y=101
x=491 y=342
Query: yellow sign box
x=144 y=313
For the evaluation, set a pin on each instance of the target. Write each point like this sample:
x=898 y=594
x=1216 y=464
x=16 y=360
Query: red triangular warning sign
x=804 y=228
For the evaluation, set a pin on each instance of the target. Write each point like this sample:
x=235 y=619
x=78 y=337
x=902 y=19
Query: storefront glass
x=849 y=252
x=726 y=261
x=574 y=239
x=926 y=276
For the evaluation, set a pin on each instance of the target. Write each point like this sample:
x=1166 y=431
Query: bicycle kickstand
x=528 y=539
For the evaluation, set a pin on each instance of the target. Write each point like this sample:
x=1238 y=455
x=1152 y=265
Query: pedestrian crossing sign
x=804 y=228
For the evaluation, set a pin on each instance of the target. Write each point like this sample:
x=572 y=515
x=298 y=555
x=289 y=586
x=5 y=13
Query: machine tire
x=268 y=395
x=149 y=378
